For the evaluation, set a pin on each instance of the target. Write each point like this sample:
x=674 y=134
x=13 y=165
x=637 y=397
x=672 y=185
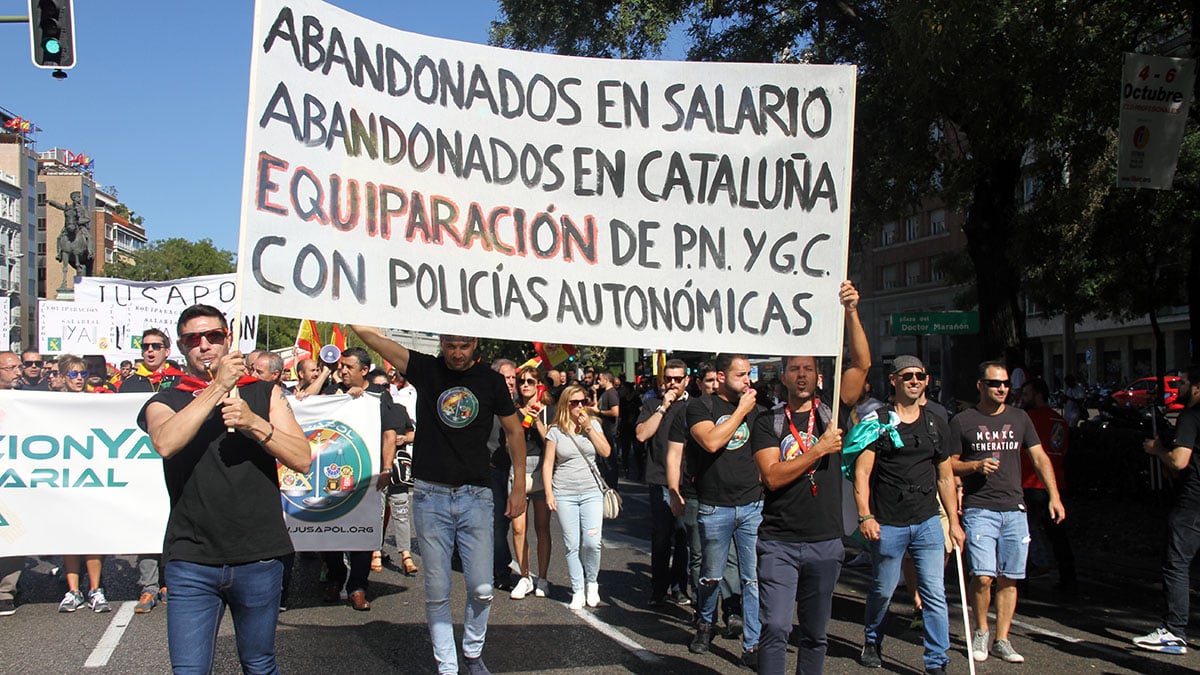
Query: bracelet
x=863 y=519
x=268 y=438
x=386 y=472
x=660 y=410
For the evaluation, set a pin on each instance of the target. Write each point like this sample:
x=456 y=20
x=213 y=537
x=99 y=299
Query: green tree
x=966 y=99
x=170 y=259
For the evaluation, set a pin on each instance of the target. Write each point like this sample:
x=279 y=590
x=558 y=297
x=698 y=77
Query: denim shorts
x=997 y=542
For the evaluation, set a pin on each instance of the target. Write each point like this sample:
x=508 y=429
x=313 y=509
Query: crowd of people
x=745 y=484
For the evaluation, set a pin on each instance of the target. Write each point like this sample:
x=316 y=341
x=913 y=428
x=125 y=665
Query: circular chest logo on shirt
x=789 y=449
x=339 y=477
x=457 y=407
x=1058 y=436
x=739 y=437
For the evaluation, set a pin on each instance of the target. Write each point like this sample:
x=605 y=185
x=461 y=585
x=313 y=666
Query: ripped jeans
x=445 y=516
x=719 y=525
x=581 y=518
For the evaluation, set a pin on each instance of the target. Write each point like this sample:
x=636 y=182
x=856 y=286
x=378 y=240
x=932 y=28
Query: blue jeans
x=928 y=547
x=1183 y=543
x=581 y=518
x=718 y=526
x=199 y=595
x=445 y=516
x=798 y=579
x=997 y=542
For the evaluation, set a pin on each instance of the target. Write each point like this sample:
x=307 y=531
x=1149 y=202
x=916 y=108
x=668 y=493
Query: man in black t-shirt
x=728 y=495
x=668 y=544
x=1183 y=521
x=608 y=409
x=987 y=442
x=798 y=451
x=225 y=531
x=896 y=488
x=457 y=399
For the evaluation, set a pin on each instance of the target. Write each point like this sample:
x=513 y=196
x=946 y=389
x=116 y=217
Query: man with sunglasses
x=896 y=489
x=668 y=540
x=457 y=400
x=987 y=442
x=32 y=375
x=153 y=372
x=225 y=532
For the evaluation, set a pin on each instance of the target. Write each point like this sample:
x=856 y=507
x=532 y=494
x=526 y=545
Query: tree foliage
x=963 y=99
x=170 y=259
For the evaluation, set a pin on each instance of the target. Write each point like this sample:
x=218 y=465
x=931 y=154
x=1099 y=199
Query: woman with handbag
x=575 y=490
x=537 y=412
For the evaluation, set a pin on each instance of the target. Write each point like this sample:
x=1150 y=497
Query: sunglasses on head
x=920 y=377
x=997 y=384
x=192 y=340
x=152 y=346
x=76 y=374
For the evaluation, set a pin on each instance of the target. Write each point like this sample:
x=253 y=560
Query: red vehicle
x=1137 y=394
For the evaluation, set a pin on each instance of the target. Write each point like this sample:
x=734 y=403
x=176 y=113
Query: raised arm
x=854 y=378
x=394 y=352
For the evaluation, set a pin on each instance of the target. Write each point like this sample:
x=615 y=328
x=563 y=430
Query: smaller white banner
x=1156 y=92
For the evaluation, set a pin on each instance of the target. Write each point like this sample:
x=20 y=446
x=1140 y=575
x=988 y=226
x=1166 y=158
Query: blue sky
x=158 y=97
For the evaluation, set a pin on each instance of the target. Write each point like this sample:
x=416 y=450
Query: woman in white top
x=573 y=490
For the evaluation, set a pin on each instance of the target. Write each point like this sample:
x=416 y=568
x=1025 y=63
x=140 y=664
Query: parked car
x=1137 y=394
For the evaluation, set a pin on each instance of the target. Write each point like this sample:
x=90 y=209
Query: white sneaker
x=979 y=645
x=523 y=588
x=1161 y=640
x=593 y=595
x=577 y=600
x=541 y=588
x=1004 y=650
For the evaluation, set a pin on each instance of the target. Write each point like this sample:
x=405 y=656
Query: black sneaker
x=750 y=658
x=475 y=666
x=699 y=644
x=940 y=670
x=7 y=607
x=733 y=627
x=872 y=656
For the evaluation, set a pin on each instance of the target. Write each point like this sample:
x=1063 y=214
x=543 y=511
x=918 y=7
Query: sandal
x=377 y=561
x=410 y=568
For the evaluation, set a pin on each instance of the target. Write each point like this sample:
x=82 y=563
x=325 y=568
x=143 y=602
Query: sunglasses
x=576 y=402
x=214 y=336
x=528 y=380
x=152 y=346
x=32 y=364
x=997 y=384
x=674 y=379
x=919 y=377
x=76 y=374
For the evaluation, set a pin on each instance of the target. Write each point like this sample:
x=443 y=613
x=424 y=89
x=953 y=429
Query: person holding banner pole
x=457 y=399
x=798 y=450
x=225 y=531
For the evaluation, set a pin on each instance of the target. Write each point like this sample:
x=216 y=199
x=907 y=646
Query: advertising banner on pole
x=399 y=180
x=1156 y=93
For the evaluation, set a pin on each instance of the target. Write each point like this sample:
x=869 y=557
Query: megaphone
x=330 y=354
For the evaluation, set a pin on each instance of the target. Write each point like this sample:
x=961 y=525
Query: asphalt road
x=1088 y=633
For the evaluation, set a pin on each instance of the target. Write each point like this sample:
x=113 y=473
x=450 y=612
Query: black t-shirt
x=455 y=412
x=535 y=446
x=975 y=436
x=793 y=513
x=1187 y=435
x=656 y=456
x=728 y=477
x=678 y=433
x=904 y=480
x=224 y=489
x=609 y=400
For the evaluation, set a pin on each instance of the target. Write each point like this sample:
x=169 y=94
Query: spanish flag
x=307 y=339
x=553 y=354
x=339 y=338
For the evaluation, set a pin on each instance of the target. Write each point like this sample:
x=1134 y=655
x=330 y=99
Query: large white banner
x=336 y=506
x=399 y=180
x=78 y=476
x=1156 y=93
x=118 y=310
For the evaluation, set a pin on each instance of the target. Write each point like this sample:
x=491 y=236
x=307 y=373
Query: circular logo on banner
x=339 y=477
x=1141 y=138
x=739 y=437
x=458 y=407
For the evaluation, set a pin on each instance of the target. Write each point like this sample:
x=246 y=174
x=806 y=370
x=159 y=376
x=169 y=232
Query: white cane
x=962 y=596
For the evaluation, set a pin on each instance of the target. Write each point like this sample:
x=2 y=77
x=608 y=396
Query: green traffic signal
x=52 y=46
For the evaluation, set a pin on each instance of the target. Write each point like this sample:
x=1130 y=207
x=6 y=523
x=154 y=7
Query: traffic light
x=52 y=34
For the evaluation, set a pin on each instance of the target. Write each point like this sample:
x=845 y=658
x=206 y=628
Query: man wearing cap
x=986 y=443
x=896 y=489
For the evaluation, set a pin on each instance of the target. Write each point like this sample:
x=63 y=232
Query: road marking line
x=108 y=642
x=643 y=654
x=1042 y=631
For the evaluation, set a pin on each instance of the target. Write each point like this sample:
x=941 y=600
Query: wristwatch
x=388 y=471
x=863 y=519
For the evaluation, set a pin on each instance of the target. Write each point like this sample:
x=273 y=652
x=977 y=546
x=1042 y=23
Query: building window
x=912 y=228
x=912 y=273
x=41 y=248
x=41 y=199
x=937 y=222
x=889 y=276
x=41 y=224
x=935 y=270
x=889 y=234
